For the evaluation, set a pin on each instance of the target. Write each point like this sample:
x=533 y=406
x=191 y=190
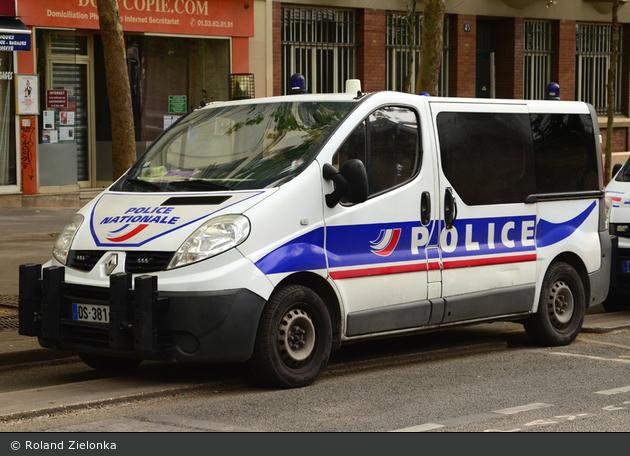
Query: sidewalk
x=27 y=235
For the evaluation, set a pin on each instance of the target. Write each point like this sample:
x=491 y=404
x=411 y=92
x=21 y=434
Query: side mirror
x=616 y=169
x=351 y=183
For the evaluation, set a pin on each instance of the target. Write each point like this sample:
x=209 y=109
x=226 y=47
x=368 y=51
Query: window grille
x=592 y=54
x=398 y=48
x=321 y=45
x=536 y=59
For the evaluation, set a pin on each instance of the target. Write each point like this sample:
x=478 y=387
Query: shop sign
x=191 y=17
x=15 y=42
x=56 y=98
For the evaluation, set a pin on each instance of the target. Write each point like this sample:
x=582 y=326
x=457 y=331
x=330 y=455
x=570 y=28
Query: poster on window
x=66 y=118
x=27 y=94
x=49 y=120
x=49 y=137
x=66 y=133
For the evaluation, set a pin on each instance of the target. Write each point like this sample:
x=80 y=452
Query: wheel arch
x=320 y=286
x=576 y=263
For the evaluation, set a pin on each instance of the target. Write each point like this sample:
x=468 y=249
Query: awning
x=14 y=35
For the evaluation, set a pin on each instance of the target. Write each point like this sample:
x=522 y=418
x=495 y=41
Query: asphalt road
x=486 y=378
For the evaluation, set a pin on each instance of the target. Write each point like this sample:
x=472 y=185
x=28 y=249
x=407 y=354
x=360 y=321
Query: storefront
x=179 y=53
x=15 y=37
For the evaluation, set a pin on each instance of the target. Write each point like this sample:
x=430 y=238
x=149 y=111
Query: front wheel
x=561 y=307
x=294 y=339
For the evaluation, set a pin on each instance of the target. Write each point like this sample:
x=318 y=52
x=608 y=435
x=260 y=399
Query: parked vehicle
x=274 y=230
x=618 y=199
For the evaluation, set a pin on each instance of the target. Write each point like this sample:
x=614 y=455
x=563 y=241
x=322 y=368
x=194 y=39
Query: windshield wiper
x=146 y=184
x=199 y=183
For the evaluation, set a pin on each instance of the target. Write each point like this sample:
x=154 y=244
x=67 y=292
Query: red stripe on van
x=488 y=261
x=367 y=272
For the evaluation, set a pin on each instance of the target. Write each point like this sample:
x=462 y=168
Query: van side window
x=388 y=144
x=564 y=147
x=487 y=157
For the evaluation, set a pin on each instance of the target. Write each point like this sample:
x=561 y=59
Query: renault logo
x=111 y=263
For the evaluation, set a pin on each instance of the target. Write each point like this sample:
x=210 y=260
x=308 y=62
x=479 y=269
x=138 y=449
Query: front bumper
x=217 y=326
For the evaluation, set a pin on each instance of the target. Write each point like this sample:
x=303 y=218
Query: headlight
x=609 y=205
x=64 y=240
x=213 y=237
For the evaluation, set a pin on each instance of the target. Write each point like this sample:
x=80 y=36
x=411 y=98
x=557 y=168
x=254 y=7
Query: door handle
x=425 y=208
x=450 y=208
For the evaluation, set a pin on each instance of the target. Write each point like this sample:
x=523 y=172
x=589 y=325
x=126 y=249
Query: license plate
x=90 y=312
x=624 y=265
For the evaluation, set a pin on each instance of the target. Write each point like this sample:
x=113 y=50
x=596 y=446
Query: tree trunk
x=614 y=50
x=432 y=46
x=411 y=37
x=119 y=93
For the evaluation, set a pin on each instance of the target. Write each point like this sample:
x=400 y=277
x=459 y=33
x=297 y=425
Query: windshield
x=238 y=147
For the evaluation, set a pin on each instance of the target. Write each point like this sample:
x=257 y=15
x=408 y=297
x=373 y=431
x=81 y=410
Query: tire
x=616 y=303
x=561 y=307
x=294 y=339
x=109 y=364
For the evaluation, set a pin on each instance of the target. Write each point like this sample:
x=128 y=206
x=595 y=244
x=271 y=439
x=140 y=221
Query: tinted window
x=388 y=144
x=487 y=157
x=566 y=158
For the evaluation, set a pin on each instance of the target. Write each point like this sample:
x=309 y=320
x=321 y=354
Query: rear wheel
x=561 y=307
x=294 y=339
x=109 y=364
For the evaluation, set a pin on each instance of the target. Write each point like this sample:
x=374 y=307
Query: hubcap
x=561 y=303
x=296 y=337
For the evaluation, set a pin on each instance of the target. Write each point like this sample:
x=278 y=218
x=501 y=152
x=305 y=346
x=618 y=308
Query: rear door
x=487 y=241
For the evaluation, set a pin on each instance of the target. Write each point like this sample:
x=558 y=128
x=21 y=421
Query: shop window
x=492 y=148
x=536 y=59
x=592 y=60
x=404 y=39
x=163 y=69
x=321 y=45
x=7 y=122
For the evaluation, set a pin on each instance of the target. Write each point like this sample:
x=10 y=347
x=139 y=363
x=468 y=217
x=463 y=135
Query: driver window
x=388 y=144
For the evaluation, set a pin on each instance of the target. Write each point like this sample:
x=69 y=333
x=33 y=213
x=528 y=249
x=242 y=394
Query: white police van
x=618 y=199
x=274 y=230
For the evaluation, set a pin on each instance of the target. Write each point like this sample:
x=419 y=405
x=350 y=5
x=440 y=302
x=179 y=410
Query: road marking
x=623 y=389
x=598 y=342
x=522 y=408
x=472 y=418
x=612 y=407
x=421 y=428
x=592 y=357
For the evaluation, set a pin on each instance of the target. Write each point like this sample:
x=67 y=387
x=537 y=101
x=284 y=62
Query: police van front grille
x=136 y=262
x=83 y=260
x=141 y=262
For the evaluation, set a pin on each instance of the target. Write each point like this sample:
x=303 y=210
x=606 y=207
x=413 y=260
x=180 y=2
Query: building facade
x=183 y=52
x=180 y=53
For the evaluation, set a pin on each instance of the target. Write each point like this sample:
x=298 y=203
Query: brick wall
x=276 y=9
x=563 y=58
x=508 y=51
x=371 y=35
x=463 y=56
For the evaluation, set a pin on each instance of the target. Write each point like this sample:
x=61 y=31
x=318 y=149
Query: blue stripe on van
x=300 y=254
x=551 y=233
